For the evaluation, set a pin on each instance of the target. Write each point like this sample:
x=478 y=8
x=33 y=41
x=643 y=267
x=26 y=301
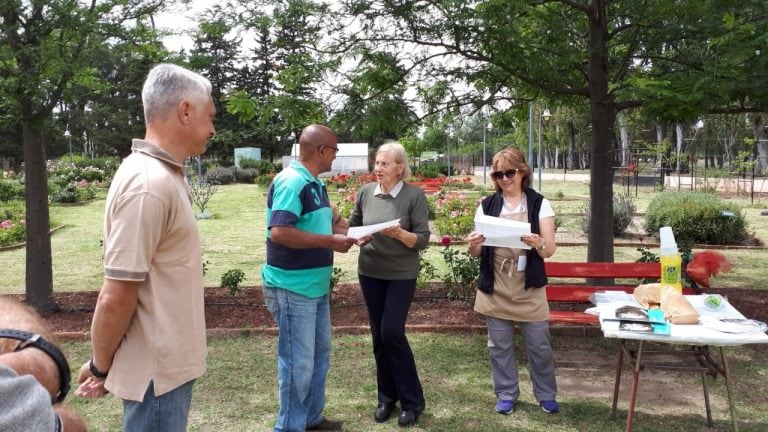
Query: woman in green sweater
x=388 y=267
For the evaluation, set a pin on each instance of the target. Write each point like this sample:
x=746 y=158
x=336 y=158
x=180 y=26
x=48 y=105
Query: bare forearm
x=35 y=362
x=297 y=239
x=70 y=419
x=114 y=310
x=407 y=238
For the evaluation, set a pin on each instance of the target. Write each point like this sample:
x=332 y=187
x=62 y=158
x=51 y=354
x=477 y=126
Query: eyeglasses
x=335 y=149
x=498 y=175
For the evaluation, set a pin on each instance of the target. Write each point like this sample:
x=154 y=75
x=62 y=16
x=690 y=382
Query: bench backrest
x=639 y=270
x=580 y=292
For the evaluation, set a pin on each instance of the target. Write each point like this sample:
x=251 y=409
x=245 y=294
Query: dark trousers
x=388 y=302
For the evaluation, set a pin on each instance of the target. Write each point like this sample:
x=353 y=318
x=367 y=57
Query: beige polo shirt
x=150 y=236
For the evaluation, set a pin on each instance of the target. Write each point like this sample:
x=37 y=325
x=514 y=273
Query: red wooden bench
x=568 y=292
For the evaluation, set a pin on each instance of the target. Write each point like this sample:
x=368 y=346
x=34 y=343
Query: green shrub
x=247 y=175
x=696 y=217
x=247 y=162
x=12 y=233
x=456 y=226
x=264 y=179
x=623 y=210
x=231 y=280
x=454 y=213
x=225 y=176
x=261 y=166
x=69 y=192
x=11 y=190
x=13 y=228
x=427 y=270
x=462 y=275
x=430 y=170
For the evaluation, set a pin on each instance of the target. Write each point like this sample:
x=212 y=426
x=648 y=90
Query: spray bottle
x=671 y=261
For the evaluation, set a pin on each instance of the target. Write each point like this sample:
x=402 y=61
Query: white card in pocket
x=521 y=262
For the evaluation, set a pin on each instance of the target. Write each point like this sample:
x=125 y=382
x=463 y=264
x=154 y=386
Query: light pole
x=486 y=128
x=543 y=118
x=68 y=134
x=448 y=145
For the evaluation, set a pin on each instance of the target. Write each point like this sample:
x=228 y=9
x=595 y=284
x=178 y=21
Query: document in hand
x=502 y=232
x=359 y=232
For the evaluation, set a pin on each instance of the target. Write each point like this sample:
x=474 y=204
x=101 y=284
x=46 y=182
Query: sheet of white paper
x=502 y=232
x=359 y=232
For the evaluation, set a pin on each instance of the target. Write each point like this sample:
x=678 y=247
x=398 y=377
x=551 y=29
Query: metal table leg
x=619 y=367
x=710 y=423
x=727 y=376
x=635 y=382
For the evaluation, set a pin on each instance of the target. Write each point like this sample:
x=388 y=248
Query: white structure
x=351 y=157
x=246 y=152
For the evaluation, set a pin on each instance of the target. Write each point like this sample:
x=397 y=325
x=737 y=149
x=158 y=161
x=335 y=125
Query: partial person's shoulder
x=412 y=189
x=289 y=178
x=367 y=189
x=546 y=209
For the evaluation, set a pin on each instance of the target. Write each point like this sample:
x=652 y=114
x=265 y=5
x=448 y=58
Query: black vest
x=535 y=274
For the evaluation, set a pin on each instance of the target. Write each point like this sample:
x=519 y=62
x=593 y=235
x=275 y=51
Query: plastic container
x=671 y=261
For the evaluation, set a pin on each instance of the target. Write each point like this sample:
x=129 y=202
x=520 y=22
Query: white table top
x=698 y=334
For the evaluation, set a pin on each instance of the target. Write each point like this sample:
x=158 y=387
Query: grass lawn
x=239 y=390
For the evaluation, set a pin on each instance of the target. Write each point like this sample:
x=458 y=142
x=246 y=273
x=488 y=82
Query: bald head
x=315 y=136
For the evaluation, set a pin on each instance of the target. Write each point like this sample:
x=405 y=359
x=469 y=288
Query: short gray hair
x=167 y=85
x=400 y=156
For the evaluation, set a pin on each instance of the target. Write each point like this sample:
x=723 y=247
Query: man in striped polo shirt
x=302 y=234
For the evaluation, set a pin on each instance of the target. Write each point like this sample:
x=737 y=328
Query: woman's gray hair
x=400 y=156
x=167 y=85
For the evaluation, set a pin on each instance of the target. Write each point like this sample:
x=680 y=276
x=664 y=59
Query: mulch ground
x=431 y=307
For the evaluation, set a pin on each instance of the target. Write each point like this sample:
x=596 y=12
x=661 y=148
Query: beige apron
x=510 y=300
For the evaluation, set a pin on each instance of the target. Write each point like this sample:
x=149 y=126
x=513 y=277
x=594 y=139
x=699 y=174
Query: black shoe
x=383 y=412
x=409 y=417
x=325 y=424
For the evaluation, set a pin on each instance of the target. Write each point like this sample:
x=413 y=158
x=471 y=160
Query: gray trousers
x=541 y=360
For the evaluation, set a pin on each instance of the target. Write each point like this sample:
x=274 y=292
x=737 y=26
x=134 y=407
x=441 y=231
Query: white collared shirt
x=393 y=193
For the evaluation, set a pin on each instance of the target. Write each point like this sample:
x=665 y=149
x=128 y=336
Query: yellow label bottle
x=671 y=270
x=671 y=261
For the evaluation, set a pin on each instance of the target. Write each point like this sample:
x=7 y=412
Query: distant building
x=248 y=153
x=351 y=157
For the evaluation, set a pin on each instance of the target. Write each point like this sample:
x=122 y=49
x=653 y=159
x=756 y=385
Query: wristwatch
x=543 y=245
x=35 y=340
x=95 y=372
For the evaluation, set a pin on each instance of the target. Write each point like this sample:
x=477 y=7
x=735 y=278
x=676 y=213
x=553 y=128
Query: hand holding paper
x=502 y=232
x=359 y=232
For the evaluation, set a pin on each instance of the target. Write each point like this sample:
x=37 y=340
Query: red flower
x=445 y=241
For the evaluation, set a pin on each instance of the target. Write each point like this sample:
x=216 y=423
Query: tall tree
x=47 y=46
x=673 y=57
x=289 y=67
x=375 y=109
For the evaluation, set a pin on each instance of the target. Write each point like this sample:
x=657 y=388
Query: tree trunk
x=603 y=117
x=39 y=277
x=761 y=149
x=570 y=154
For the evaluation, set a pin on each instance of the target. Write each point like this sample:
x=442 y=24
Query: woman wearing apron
x=511 y=284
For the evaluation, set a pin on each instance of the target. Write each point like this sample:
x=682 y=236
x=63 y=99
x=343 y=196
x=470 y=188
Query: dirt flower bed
x=430 y=307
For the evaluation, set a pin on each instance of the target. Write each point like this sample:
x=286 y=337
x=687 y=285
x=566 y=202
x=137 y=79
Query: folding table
x=698 y=337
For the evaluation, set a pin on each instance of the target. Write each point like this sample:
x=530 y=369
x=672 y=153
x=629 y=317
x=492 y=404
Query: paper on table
x=502 y=232
x=359 y=232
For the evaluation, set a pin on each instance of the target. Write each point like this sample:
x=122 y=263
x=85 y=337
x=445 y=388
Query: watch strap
x=95 y=371
x=29 y=339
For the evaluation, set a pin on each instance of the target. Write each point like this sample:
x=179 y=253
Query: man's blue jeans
x=166 y=413
x=303 y=356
